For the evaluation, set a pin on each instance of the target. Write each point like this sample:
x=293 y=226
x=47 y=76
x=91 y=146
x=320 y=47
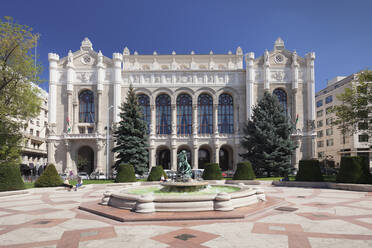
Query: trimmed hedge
x=353 y=170
x=212 y=171
x=156 y=173
x=309 y=170
x=10 y=177
x=125 y=174
x=49 y=178
x=244 y=171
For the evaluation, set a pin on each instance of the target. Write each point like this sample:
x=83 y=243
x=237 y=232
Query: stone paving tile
x=339 y=243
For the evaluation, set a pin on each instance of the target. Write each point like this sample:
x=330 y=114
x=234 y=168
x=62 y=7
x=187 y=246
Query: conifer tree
x=267 y=138
x=131 y=135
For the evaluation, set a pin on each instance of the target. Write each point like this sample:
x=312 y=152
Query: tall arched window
x=225 y=114
x=184 y=114
x=144 y=102
x=205 y=114
x=282 y=97
x=163 y=114
x=86 y=107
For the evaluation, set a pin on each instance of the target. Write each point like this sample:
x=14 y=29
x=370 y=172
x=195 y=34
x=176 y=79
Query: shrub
x=212 y=171
x=309 y=170
x=156 y=173
x=49 y=178
x=244 y=171
x=10 y=177
x=351 y=170
x=125 y=174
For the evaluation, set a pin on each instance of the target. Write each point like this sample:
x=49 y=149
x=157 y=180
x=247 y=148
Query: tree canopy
x=267 y=139
x=19 y=98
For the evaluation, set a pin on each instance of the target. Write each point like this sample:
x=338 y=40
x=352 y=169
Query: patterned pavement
x=304 y=218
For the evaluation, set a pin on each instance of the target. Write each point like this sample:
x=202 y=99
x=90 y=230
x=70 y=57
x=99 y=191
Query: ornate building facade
x=195 y=102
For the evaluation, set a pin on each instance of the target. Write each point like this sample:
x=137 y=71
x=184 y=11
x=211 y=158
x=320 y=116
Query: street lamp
x=108 y=141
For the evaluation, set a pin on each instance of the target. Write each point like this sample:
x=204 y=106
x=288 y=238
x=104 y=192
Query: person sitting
x=67 y=185
x=79 y=182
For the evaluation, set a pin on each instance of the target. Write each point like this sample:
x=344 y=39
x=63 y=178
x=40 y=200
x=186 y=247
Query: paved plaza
x=297 y=217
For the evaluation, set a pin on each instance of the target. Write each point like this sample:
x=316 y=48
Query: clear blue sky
x=338 y=31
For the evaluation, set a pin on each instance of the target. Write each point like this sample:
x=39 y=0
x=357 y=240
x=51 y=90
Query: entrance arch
x=163 y=157
x=188 y=154
x=226 y=158
x=204 y=157
x=85 y=159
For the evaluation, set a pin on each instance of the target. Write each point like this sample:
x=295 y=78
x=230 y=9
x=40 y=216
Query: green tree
x=131 y=135
x=267 y=138
x=19 y=98
x=354 y=114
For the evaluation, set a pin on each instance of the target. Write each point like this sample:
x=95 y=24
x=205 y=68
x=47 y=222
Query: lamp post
x=108 y=141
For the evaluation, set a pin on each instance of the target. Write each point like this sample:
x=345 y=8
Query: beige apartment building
x=331 y=144
x=34 y=149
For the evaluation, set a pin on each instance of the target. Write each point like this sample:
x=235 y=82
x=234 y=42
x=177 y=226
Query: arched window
x=225 y=114
x=282 y=97
x=163 y=114
x=86 y=107
x=205 y=114
x=144 y=102
x=184 y=114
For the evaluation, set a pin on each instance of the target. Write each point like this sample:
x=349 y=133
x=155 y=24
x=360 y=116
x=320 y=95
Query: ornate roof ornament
x=70 y=59
x=155 y=53
x=173 y=52
x=279 y=44
x=229 y=52
x=135 y=53
x=126 y=51
x=100 y=57
x=192 y=53
x=239 y=51
x=86 y=45
x=211 y=52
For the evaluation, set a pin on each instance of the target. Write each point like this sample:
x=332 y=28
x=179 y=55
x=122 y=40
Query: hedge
x=49 y=178
x=156 y=173
x=351 y=170
x=212 y=171
x=10 y=177
x=309 y=170
x=125 y=174
x=244 y=171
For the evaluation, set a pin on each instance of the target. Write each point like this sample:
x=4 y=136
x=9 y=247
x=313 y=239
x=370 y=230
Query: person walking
x=79 y=183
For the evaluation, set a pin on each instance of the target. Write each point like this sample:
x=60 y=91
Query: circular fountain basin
x=183 y=186
x=148 y=199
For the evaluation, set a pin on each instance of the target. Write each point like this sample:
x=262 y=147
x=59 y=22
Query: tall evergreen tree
x=131 y=135
x=267 y=138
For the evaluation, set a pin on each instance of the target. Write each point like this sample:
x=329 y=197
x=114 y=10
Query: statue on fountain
x=184 y=169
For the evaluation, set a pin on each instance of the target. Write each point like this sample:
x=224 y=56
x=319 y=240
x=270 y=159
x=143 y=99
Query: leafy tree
x=355 y=113
x=19 y=99
x=131 y=135
x=267 y=138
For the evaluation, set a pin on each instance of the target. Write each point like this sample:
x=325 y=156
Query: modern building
x=331 y=143
x=34 y=149
x=193 y=102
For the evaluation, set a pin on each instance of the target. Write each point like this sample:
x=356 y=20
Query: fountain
x=183 y=194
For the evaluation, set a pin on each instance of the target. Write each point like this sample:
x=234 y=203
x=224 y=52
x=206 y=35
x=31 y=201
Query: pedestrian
x=79 y=182
x=67 y=185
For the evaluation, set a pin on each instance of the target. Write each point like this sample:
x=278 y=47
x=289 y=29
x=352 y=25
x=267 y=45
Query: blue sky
x=339 y=32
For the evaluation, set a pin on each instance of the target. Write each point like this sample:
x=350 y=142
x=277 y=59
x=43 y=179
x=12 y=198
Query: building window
x=328 y=110
x=184 y=114
x=330 y=142
x=163 y=114
x=38 y=123
x=329 y=121
x=38 y=133
x=328 y=99
x=86 y=107
x=329 y=131
x=144 y=102
x=319 y=103
x=46 y=114
x=320 y=154
x=81 y=130
x=319 y=134
x=320 y=123
x=363 y=138
x=90 y=129
x=363 y=125
x=205 y=114
x=282 y=97
x=32 y=131
x=225 y=114
x=319 y=113
x=320 y=143
x=31 y=121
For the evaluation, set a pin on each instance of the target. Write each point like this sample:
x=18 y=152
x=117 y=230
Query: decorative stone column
x=174 y=121
x=51 y=152
x=266 y=71
x=215 y=119
x=152 y=158
x=310 y=57
x=216 y=153
x=195 y=157
x=195 y=120
x=100 y=154
x=70 y=80
x=249 y=86
x=174 y=157
x=100 y=80
x=236 y=119
x=53 y=79
x=153 y=122
x=68 y=155
x=76 y=117
x=117 y=58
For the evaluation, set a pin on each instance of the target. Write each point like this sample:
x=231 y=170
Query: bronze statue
x=184 y=168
